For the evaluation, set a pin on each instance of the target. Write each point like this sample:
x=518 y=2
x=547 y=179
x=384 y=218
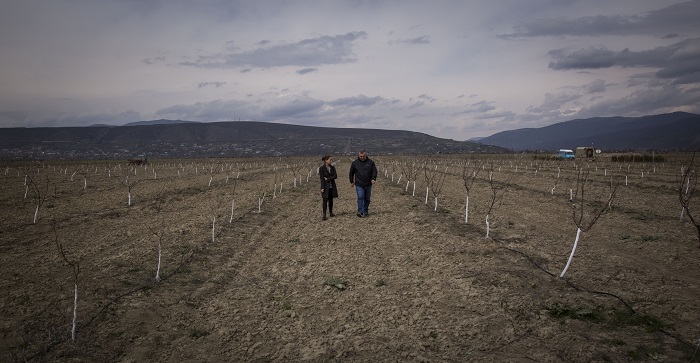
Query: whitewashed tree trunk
x=84 y=183
x=233 y=204
x=129 y=202
x=466 y=211
x=435 y=204
x=260 y=202
x=26 y=190
x=210 y=179
x=414 y=188
x=75 y=310
x=488 y=226
x=408 y=182
x=399 y=181
x=159 y=258
x=213 y=224
x=426 y=195
x=36 y=213
x=573 y=250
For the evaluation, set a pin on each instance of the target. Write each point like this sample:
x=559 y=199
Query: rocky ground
x=407 y=283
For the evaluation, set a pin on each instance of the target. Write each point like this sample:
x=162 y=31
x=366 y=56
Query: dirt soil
x=406 y=284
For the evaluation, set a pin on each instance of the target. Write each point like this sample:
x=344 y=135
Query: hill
x=672 y=131
x=162 y=139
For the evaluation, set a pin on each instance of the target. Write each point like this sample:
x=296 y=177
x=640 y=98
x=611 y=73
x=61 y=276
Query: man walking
x=363 y=174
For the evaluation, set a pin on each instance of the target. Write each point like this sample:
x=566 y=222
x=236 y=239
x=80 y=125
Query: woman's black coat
x=328 y=181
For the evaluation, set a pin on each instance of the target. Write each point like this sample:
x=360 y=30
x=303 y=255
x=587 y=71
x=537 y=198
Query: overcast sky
x=455 y=69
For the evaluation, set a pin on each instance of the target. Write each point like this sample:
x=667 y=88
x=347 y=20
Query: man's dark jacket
x=363 y=172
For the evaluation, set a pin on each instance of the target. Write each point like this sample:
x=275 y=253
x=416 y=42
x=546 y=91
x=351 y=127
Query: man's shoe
x=324 y=218
x=360 y=215
x=332 y=215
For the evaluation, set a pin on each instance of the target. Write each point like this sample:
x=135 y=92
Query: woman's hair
x=326 y=157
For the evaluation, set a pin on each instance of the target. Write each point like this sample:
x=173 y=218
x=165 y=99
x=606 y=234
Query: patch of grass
x=432 y=335
x=287 y=306
x=198 y=333
x=380 y=283
x=640 y=217
x=625 y=237
x=647 y=238
x=616 y=341
x=563 y=311
x=626 y=318
x=642 y=351
x=302 y=262
x=294 y=240
x=338 y=282
x=614 y=318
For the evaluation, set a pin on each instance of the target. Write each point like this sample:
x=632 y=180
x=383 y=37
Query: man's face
x=362 y=156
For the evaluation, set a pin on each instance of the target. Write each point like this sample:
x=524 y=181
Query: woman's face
x=328 y=161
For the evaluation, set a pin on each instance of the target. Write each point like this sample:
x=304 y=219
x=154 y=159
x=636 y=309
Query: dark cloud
x=427 y=97
x=675 y=61
x=554 y=103
x=419 y=40
x=647 y=101
x=215 y=84
x=154 y=60
x=293 y=108
x=596 y=86
x=306 y=53
x=360 y=100
x=679 y=18
x=64 y=119
x=306 y=70
x=484 y=110
x=210 y=111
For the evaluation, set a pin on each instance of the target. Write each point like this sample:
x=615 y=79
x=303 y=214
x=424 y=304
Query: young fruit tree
x=41 y=193
x=129 y=183
x=434 y=179
x=161 y=222
x=410 y=169
x=686 y=193
x=585 y=212
x=469 y=172
x=497 y=192
x=215 y=200
x=75 y=269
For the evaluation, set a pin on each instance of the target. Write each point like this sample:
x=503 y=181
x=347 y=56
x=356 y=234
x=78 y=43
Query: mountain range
x=665 y=132
x=175 y=138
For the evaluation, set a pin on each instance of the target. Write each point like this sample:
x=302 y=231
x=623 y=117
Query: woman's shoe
x=332 y=215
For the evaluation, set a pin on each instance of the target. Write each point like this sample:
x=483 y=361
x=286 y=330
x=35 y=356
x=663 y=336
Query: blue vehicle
x=566 y=154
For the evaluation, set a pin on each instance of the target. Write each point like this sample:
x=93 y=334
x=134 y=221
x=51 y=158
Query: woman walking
x=328 y=190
